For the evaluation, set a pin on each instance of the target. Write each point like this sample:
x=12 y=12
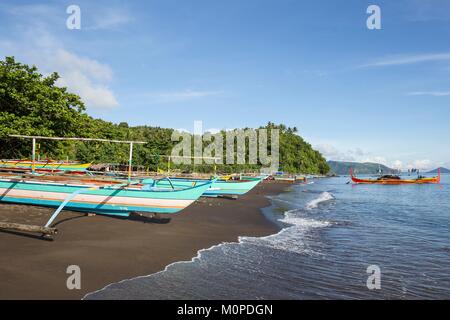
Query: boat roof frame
x=34 y=138
x=74 y=139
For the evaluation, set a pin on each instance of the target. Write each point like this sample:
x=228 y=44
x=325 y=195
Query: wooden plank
x=28 y=228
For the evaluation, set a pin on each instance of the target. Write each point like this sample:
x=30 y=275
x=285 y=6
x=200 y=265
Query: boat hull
x=105 y=200
x=395 y=182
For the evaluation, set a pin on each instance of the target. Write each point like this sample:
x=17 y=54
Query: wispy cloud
x=408 y=59
x=429 y=10
x=110 y=18
x=180 y=96
x=429 y=93
x=29 y=10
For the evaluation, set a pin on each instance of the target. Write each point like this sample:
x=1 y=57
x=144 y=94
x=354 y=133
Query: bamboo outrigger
x=43 y=165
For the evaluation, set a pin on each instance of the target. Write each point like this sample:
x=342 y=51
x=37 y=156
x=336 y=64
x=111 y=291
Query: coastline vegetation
x=33 y=104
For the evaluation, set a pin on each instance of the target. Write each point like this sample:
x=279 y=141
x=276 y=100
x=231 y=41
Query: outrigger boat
x=284 y=179
x=93 y=195
x=393 y=179
x=218 y=187
x=113 y=197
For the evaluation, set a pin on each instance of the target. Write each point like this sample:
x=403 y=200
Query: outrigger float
x=101 y=196
x=43 y=165
x=393 y=179
x=218 y=188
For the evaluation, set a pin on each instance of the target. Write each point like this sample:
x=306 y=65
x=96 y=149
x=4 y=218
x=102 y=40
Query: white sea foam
x=289 y=239
x=285 y=240
x=305 y=223
x=324 y=196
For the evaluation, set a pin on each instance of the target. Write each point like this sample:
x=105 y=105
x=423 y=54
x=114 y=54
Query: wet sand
x=112 y=249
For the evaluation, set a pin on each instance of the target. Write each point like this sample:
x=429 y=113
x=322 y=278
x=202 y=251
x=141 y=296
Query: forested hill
x=443 y=170
x=32 y=104
x=343 y=168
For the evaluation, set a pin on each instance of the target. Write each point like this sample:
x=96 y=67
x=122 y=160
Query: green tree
x=32 y=104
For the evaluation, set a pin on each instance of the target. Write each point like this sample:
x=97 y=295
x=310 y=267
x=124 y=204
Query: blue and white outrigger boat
x=96 y=195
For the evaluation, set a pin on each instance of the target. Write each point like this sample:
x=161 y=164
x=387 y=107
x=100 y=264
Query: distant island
x=343 y=168
x=443 y=170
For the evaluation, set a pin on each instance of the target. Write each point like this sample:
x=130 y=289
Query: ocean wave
x=306 y=223
x=286 y=240
x=323 y=197
x=291 y=238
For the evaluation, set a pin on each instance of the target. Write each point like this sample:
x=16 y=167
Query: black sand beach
x=112 y=249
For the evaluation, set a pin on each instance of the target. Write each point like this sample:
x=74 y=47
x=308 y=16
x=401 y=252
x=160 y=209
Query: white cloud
x=422 y=164
x=358 y=155
x=376 y=159
x=429 y=93
x=37 y=45
x=96 y=96
x=408 y=59
x=332 y=153
x=397 y=164
x=86 y=77
x=180 y=96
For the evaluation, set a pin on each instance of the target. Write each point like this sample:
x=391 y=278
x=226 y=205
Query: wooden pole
x=130 y=162
x=168 y=166
x=33 y=156
x=27 y=228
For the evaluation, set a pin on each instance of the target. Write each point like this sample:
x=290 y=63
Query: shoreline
x=110 y=250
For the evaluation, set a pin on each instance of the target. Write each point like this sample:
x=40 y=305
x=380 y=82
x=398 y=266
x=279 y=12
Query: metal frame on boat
x=218 y=188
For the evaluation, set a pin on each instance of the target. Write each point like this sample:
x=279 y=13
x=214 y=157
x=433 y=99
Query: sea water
x=331 y=232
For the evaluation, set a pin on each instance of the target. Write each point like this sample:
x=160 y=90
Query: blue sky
x=354 y=93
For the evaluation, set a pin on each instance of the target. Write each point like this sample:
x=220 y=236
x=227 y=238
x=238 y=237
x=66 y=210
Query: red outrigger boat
x=389 y=179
